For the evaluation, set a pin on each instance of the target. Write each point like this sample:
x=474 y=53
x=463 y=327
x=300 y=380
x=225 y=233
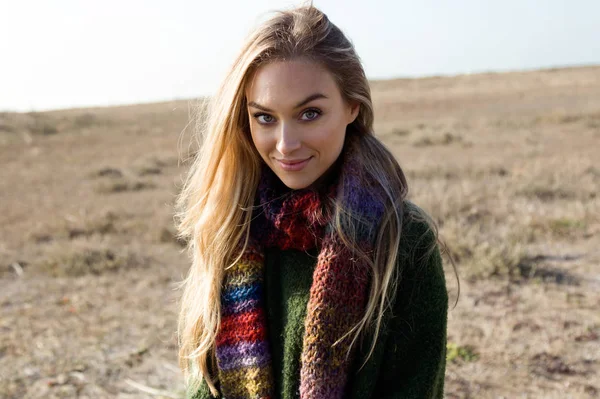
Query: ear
x=354 y=109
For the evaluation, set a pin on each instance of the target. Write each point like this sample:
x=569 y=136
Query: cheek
x=332 y=136
x=265 y=145
x=259 y=141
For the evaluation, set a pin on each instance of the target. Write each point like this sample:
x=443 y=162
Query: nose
x=288 y=140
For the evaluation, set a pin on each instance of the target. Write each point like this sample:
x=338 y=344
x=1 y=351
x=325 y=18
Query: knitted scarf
x=299 y=219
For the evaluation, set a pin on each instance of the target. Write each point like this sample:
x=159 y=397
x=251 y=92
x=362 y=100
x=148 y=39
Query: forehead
x=286 y=82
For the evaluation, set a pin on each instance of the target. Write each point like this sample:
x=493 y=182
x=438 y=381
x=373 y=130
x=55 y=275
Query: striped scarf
x=299 y=219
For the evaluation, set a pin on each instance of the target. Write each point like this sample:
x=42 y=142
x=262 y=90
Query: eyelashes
x=261 y=116
x=316 y=111
x=257 y=116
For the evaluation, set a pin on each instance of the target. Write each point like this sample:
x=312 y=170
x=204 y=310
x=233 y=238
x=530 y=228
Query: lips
x=293 y=165
x=292 y=162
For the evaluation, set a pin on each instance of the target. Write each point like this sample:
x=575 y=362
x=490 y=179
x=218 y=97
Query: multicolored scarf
x=300 y=219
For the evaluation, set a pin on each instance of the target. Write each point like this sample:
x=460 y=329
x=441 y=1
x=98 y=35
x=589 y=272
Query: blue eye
x=266 y=119
x=312 y=114
x=308 y=115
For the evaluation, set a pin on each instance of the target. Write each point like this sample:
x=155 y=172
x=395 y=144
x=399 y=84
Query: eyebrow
x=308 y=99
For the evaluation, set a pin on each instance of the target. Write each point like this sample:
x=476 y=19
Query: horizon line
x=378 y=79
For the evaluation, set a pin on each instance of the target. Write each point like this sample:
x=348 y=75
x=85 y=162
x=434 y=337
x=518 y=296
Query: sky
x=74 y=53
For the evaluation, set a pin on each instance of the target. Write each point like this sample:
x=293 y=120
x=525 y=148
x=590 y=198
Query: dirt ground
x=507 y=164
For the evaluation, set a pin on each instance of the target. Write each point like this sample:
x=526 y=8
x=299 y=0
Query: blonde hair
x=214 y=207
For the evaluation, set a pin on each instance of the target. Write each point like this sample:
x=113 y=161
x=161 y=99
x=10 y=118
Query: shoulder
x=418 y=236
x=413 y=361
x=420 y=264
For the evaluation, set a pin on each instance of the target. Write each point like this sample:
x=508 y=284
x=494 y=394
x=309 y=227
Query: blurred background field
x=506 y=163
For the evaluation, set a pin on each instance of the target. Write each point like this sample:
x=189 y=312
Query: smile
x=293 y=166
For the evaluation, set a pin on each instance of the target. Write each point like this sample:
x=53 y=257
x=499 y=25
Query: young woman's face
x=298 y=119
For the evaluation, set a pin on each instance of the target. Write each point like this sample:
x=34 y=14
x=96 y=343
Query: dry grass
x=120 y=185
x=505 y=163
x=80 y=259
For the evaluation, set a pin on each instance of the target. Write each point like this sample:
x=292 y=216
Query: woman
x=312 y=276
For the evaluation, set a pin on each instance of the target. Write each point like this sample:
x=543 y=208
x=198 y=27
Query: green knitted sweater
x=409 y=359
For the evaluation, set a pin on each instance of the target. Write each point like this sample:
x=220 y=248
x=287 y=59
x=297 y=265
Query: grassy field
x=507 y=164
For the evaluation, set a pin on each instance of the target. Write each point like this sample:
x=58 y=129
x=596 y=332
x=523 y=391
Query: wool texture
x=301 y=220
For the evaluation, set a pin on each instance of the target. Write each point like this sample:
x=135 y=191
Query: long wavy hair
x=214 y=207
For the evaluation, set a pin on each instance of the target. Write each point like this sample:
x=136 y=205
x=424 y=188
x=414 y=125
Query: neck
x=328 y=177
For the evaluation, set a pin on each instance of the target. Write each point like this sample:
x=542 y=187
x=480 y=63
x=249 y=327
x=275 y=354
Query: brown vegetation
x=505 y=163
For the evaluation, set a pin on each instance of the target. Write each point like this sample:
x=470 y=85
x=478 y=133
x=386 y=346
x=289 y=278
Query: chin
x=295 y=183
